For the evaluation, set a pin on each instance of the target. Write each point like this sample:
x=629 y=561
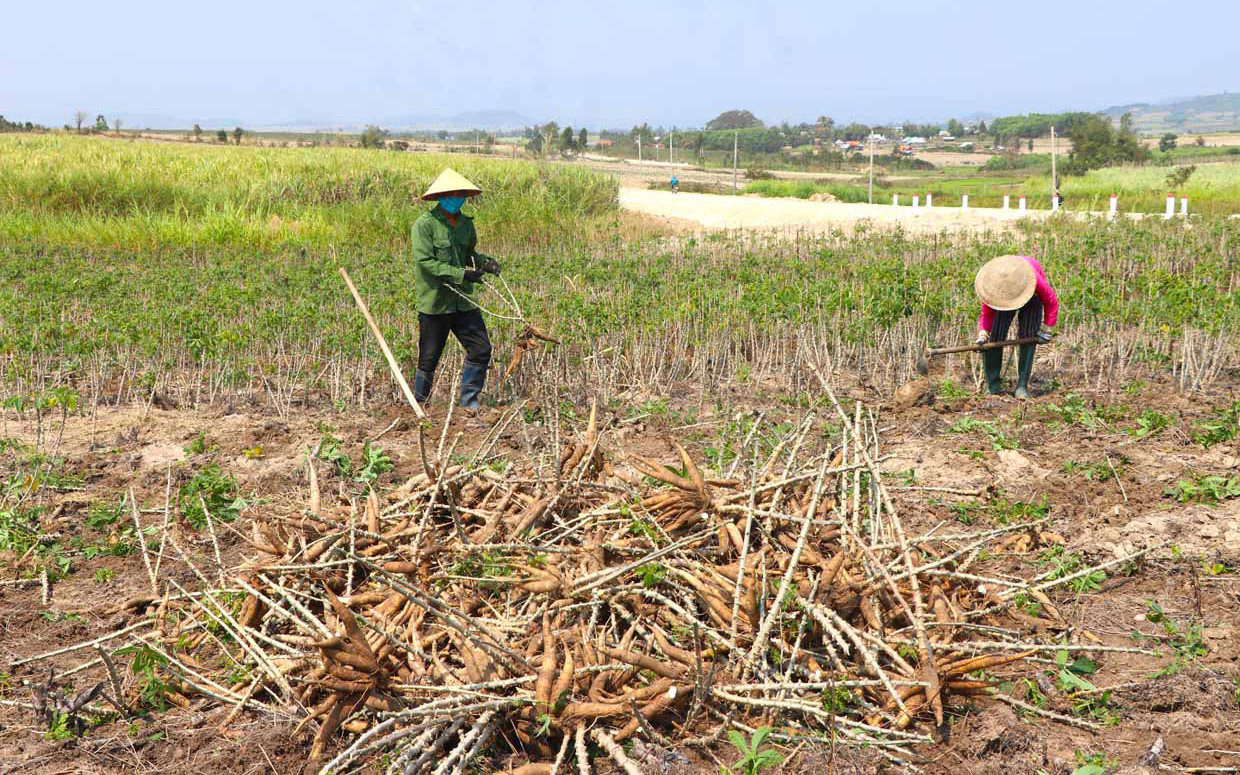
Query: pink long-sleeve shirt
x=1044 y=291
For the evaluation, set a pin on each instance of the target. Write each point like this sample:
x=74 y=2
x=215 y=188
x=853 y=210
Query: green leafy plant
x=836 y=699
x=1205 y=489
x=753 y=759
x=1066 y=564
x=1223 y=426
x=330 y=452
x=59 y=728
x=651 y=574
x=1149 y=423
x=1094 y=764
x=1074 y=411
x=102 y=515
x=213 y=490
x=146 y=663
x=374 y=463
x=1185 y=641
x=998 y=439
x=197 y=445
x=950 y=388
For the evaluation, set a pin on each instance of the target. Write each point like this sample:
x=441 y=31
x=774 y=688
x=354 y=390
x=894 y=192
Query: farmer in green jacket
x=449 y=272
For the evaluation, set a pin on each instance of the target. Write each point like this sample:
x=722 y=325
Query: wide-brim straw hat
x=1005 y=283
x=449 y=181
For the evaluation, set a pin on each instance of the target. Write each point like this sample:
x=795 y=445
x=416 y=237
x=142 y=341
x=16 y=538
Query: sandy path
x=734 y=212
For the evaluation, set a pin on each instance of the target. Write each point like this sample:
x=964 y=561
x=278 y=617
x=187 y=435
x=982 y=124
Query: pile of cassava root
x=542 y=614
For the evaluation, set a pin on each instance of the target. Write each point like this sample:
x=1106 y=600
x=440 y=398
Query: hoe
x=923 y=366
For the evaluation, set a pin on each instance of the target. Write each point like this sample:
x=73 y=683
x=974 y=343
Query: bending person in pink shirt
x=1014 y=287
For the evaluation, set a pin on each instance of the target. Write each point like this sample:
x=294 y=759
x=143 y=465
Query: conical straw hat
x=450 y=180
x=1005 y=283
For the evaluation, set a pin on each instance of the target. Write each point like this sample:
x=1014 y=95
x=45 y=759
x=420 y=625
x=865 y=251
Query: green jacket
x=441 y=254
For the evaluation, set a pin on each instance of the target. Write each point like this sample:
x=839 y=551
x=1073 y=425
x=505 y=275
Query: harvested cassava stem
x=383 y=346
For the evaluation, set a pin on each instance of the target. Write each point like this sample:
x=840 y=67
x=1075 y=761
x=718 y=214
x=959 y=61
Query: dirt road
x=734 y=212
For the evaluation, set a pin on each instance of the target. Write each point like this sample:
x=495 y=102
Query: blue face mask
x=451 y=204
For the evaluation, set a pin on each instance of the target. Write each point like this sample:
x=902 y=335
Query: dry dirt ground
x=755 y=212
x=1058 y=459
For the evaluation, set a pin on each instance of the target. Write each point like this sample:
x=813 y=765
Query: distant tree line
x=549 y=138
x=1036 y=125
x=19 y=126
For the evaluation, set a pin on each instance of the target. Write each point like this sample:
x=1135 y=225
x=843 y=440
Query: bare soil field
x=1160 y=635
x=755 y=212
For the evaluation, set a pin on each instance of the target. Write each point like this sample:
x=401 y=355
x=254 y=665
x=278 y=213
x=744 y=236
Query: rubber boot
x=1024 y=369
x=422 y=386
x=473 y=379
x=992 y=364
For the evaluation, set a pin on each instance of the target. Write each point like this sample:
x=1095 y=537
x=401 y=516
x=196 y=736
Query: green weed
x=1149 y=423
x=210 y=490
x=837 y=699
x=1186 y=641
x=651 y=574
x=375 y=462
x=146 y=664
x=1204 y=489
x=1074 y=411
x=1222 y=427
x=949 y=388
x=102 y=515
x=1063 y=564
x=753 y=759
x=998 y=439
x=1098 y=471
x=59 y=729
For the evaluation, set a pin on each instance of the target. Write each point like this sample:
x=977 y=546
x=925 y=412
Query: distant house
x=914 y=141
x=603 y=142
x=947 y=138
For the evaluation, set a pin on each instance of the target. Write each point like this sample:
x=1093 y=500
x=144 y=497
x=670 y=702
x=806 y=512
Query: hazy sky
x=605 y=63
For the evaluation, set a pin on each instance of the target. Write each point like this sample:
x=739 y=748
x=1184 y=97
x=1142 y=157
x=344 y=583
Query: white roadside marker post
x=916 y=201
x=1184 y=206
x=1170 y=213
x=1114 y=208
x=1007 y=201
x=929 y=201
x=964 y=202
x=1022 y=204
x=895 y=200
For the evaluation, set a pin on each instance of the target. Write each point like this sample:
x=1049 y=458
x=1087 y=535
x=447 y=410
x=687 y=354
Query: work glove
x=982 y=337
x=1045 y=333
x=473 y=275
x=488 y=264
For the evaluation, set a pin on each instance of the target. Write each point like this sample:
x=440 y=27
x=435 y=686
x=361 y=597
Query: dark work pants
x=468 y=327
x=1028 y=322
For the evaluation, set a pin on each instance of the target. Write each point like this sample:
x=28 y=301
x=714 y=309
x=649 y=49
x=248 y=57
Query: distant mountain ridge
x=489 y=120
x=1206 y=113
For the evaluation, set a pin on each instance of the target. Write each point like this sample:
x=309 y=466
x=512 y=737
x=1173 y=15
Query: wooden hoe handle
x=391 y=360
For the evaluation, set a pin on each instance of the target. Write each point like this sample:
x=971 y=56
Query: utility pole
x=871 y=144
x=639 y=151
x=1054 y=168
x=736 y=134
x=671 y=147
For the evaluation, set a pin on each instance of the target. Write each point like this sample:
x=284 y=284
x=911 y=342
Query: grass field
x=85 y=191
